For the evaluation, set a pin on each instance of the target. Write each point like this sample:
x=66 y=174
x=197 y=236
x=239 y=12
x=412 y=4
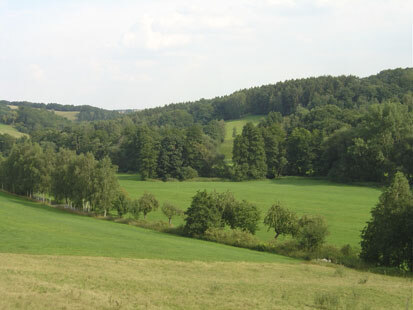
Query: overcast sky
x=136 y=54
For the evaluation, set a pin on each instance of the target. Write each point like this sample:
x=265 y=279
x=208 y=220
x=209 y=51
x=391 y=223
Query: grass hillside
x=69 y=282
x=11 y=131
x=226 y=146
x=32 y=228
x=345 y=207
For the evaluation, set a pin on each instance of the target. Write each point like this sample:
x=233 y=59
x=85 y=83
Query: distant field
x=31 y=228
x=69 y=282
x=345 y=207
x=11 y=131
x=13 y=107
x=70 y=115
x=226 y=146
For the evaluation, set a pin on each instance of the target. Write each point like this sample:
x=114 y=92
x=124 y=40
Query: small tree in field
x=122 y=203
x=312 y=231
x=134 y=208
x=282 y=220
x=170 y=211
x=147 y=203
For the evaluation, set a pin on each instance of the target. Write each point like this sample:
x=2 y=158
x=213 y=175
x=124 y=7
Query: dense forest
x=345 y=128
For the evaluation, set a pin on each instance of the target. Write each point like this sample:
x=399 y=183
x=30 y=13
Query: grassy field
x=68 y=282
x=11 y=131
x=345 y=207
x=70 y=115
x=32 y=228
x=226 y=146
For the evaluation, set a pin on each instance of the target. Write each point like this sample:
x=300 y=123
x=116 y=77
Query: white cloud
x=36 y=72
x=155 y=52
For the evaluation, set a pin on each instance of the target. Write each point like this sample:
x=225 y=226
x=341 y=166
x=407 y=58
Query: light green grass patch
x=7 y=129
x=345 y=207
x=70 y=115
x=226 y=147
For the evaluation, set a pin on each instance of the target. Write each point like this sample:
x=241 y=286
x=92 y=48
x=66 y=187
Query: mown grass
x=11 y=131
x=70 y=115
x=345 y=207
x=63 y=282
x=226 y=147
x=32 y=228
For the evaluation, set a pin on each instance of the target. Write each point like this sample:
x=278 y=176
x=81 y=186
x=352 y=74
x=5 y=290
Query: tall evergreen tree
x=249 y=154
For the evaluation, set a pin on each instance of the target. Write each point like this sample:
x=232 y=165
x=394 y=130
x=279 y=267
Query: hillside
x=345 y=207
x=31 y=228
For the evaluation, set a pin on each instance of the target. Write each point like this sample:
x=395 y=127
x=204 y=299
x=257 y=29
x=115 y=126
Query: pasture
x=345 y=207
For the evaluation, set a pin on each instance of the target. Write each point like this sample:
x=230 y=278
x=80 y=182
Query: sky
x=139 y=54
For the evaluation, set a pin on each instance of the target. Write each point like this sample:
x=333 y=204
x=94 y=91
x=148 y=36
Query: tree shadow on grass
x=320 y=181
x=129 y=177
x=26 y=202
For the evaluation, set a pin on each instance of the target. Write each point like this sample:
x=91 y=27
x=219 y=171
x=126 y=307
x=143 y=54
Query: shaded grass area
x=11 y=131
x=226 y=147
x=62 y=282
x=32 y=228
x=345 y=207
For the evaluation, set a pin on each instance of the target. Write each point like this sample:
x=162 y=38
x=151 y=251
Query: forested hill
x=346 y=128
x=345 y=92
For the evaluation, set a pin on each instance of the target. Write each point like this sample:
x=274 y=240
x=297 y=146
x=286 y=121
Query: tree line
x=365 y=145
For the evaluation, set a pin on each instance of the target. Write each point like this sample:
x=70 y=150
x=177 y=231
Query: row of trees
x=79 y=180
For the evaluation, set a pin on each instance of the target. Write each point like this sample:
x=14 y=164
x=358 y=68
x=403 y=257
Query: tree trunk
x=276 y=236
x=104 y=214
x=170 y=220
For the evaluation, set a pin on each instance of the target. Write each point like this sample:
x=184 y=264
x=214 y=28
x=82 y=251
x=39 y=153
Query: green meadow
x=32 y=228
x=226 y=147
x=345 y=207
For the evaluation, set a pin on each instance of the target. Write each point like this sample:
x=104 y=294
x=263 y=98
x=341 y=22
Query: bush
x=234 y=237
x=242 y=215
x=188 y=173
x=204 y=213
x=312 y=232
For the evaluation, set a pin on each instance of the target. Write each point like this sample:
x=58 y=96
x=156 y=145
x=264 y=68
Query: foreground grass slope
x=62 y=282
x=32 y=228
x=226 y=146
x=345 y=207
